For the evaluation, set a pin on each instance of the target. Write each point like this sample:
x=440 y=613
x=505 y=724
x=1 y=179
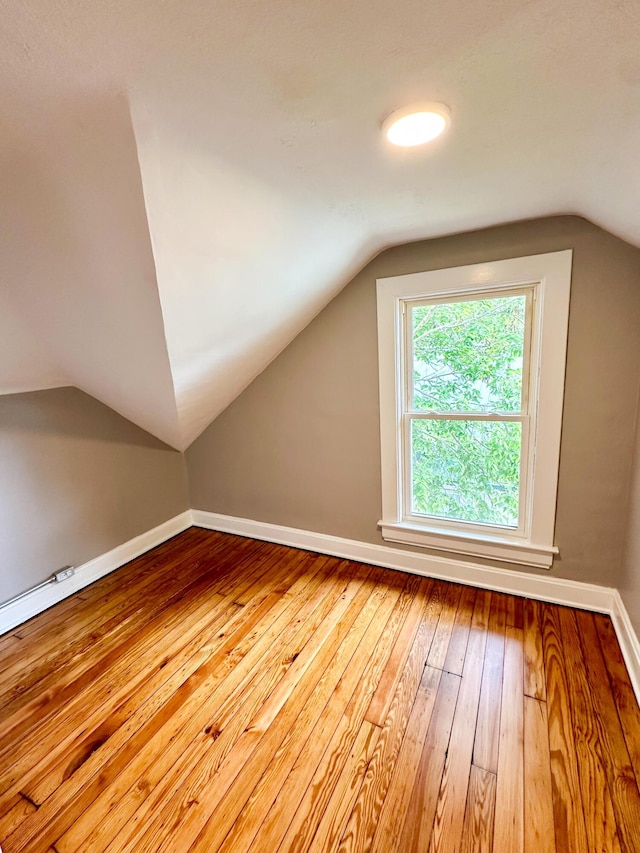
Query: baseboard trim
x=571 y=593
x=15 y=613
x=628 y=639
x=545 y=588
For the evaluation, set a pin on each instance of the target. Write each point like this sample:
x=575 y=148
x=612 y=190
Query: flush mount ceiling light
x=416 y=125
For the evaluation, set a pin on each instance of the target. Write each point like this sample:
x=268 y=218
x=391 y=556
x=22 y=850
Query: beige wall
x=300 y=447
x=77 y=479
x=630 y=579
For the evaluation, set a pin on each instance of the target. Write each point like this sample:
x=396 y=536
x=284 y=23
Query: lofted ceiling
x=186 y=184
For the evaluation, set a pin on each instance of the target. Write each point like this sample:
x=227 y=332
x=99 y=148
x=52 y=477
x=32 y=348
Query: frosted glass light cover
x=417 y=125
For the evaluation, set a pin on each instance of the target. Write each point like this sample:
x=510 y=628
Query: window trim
x=550 y=276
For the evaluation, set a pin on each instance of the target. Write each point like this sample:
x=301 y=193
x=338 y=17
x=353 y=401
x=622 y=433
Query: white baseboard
x=628 y=639
x=557 y=590
x=15 y=612
x=585 y=596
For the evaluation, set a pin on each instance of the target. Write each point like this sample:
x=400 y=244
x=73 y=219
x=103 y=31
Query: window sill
x=471 y=545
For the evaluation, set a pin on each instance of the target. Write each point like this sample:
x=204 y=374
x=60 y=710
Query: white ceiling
x=185 y=184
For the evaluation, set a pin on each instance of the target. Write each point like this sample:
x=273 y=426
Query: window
x=471 y=388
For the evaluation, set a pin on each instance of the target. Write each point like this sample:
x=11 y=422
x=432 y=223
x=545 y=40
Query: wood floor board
x=92 y=733
x=76 y=698
x=381 y=701
x=125 y=575
x=508 y=832
x=420 y=814
x=446 y=624
x=623 y=695
x=477 y=829
x=307 y=816
x=452 y=797
x=325 y=835
x=360 y=831
x=40 y=624
x=487 y=737
x=364 y=820
x=396 y=801
x=71 y=800
x=614 y=755
x=534 y=680
x=326 y=749
x=569 y=822
x=78 y=684
x=597 y=805
x=539 y=830
x=456 y=652
x=220 y=694
x=515 y=611
x=20 y=809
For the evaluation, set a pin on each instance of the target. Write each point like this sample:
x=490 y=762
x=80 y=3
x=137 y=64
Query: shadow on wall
x=77 y=480
x=71 y=413
x=76 y=256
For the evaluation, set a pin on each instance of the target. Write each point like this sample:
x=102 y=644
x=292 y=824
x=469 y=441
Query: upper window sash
x=406 y=307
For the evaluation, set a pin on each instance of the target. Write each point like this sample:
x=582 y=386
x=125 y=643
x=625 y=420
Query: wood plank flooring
x=223 y=694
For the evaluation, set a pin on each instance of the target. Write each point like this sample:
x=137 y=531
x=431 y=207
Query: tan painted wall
x=76 y=480
x=630 y=578
x=300 y=447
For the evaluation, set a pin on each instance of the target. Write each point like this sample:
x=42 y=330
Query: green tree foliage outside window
x=467 y=357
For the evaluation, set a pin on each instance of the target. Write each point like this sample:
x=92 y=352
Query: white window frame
x=548 y=276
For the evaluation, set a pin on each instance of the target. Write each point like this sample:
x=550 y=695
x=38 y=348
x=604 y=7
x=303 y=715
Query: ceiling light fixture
x=416 y=125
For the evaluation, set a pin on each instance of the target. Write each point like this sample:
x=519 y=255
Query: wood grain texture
x=446 y=624
x=456 y=653
x=420 y=815
x=382 y=698
x=326 y=834
x=477 y=831
x=568 y=815
x=485 y=747
x=599 y=819
x=623 y=694
x=452 y=797
x=223 y=694
x=539 y=830
x=534 y=682
x=292 y=620
x=403 y=779
x=361 y=828
x=615 y=757
x=508 y=833
x=329 y=774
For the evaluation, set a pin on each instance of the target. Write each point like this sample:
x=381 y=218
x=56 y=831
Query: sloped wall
x=300 y=447
x=76 y=479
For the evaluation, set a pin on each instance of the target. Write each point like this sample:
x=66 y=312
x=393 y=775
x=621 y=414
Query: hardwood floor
x=224 y=694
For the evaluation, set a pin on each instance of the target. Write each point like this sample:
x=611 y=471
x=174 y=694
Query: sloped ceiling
x=185 y=184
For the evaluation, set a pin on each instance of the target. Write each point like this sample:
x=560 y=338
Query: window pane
x=468 y=356
x=466 y=470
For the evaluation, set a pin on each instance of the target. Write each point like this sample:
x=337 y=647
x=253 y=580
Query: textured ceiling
x=185 y=184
